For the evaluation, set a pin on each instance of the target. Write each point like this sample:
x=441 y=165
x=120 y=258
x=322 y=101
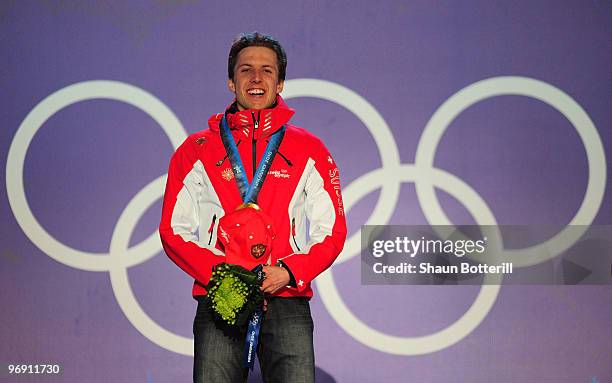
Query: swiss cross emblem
x=329 y=159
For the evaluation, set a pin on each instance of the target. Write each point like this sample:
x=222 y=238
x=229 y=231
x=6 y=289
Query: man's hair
x=256 y=39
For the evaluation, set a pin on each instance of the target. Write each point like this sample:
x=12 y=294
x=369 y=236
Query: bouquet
x=234 y=293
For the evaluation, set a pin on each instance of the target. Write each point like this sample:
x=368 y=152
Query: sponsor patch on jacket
x=283 y=173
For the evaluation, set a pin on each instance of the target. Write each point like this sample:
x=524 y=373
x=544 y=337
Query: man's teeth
x=256 y=92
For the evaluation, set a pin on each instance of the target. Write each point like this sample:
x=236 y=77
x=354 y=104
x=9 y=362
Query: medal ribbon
x=249 y=192
x=252 y=337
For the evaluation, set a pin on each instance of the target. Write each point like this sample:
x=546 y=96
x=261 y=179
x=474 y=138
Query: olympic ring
x=554 y=97
x=445 y=337
x=120 y=256
x=422 y=173
x=120 y=242
x=27 y=130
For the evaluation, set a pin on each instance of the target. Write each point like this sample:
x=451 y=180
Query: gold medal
x=249 y=204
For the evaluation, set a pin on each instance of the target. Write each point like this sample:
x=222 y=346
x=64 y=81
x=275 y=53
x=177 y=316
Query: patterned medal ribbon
x=250 y=192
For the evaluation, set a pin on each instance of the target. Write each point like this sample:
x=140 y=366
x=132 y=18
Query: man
x=302 y=184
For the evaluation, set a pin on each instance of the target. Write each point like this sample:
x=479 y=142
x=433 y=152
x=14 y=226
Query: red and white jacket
x=303 y=184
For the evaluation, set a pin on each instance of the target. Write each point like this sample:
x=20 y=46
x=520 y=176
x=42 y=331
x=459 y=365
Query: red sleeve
x=180 y=221
x=325 y=212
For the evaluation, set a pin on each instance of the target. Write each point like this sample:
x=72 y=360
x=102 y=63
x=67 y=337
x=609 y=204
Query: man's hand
x=276 y=278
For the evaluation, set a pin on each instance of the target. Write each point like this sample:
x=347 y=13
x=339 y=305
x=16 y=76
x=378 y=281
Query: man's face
x=255 y=82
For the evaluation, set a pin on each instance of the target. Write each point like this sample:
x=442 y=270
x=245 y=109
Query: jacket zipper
x=293 y=233
x=255 y=126
x=210 y=229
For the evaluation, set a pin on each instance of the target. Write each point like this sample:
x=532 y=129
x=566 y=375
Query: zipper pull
x=255 y=121
x=255 y=124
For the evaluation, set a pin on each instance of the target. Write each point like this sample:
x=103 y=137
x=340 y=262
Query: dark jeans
x=285 y=349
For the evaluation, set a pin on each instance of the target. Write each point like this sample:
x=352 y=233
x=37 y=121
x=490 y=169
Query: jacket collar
x=242 y=123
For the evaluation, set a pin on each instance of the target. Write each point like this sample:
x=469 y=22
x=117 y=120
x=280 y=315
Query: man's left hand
x=276 y=278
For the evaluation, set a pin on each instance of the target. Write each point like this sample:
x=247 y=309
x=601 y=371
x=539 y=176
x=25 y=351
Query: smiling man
x=251 y=153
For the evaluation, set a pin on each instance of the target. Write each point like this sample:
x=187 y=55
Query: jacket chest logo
x=227 y=174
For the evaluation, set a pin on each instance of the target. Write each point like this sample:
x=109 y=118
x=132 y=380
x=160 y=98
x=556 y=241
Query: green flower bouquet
x=234 y=293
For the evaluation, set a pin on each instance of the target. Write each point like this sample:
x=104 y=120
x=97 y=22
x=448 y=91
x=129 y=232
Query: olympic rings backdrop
x=448 y=113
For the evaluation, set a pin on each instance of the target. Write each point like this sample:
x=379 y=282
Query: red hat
x=247 y=235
